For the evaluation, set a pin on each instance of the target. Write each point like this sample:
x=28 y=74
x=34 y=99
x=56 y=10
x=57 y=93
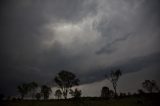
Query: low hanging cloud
x=88 y=37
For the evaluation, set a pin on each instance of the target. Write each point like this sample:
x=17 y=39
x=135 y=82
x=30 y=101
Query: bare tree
x=113 y=78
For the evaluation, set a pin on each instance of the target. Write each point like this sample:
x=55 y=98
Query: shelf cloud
x=87 y=37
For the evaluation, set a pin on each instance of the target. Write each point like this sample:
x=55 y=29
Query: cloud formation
x=88 y=37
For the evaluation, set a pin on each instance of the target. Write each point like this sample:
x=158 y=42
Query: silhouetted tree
x=65 y=80
x=32 y=88
x=114 y=77
x=75 y=93
x=150 y=86
x=105 y=92
x=111 y=93
x=121 y=95
x=58 y=94
x=38 y=96
x=45 y=90
x=129 y=94
x=23 y=90
x=141 y=92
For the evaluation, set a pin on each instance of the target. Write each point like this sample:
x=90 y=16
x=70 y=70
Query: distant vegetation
x=150 y=86
x=66 y=80
x=45 y=90
x=26 y=88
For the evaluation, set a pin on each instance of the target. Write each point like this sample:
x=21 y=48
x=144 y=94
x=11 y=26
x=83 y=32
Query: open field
x=129 y=101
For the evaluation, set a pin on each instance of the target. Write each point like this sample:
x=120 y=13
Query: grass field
x=130 y=101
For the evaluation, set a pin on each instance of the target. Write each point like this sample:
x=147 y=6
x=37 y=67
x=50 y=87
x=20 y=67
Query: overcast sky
x=39 y=38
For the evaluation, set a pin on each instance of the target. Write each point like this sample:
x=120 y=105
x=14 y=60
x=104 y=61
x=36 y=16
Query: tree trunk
x=65 y=94
x=115 y=91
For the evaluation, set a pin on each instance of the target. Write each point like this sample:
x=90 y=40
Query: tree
x=140 y=92
x=32 y=88
x=121 y=95
x=111 y=93
x=45 y=90
x=58 y=94
x=65 y=80
x=129 y=94
x=76 y=93
x=114 y=77
x=23 y=90
x=105 y=92
x=150 y=86
x=38 y=96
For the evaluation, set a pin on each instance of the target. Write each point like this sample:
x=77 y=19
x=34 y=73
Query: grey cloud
x=133 y=65
x=109 y=47
x=137 y=21
x=24 y=57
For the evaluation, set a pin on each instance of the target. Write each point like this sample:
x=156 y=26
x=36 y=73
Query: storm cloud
x=87 y=37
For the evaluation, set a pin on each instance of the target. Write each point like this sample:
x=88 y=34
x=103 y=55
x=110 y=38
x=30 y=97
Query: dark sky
x=38 y=38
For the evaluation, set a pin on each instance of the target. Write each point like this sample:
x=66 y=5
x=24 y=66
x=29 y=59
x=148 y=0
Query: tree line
x=65 y=80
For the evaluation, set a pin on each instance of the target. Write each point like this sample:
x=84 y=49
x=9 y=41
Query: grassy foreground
x=129 y=101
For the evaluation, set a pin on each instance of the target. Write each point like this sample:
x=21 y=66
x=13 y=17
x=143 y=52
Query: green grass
x=130 y=101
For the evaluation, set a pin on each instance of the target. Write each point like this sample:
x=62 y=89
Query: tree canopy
x=150 y=85
x=45 y=90
x=65 y=80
